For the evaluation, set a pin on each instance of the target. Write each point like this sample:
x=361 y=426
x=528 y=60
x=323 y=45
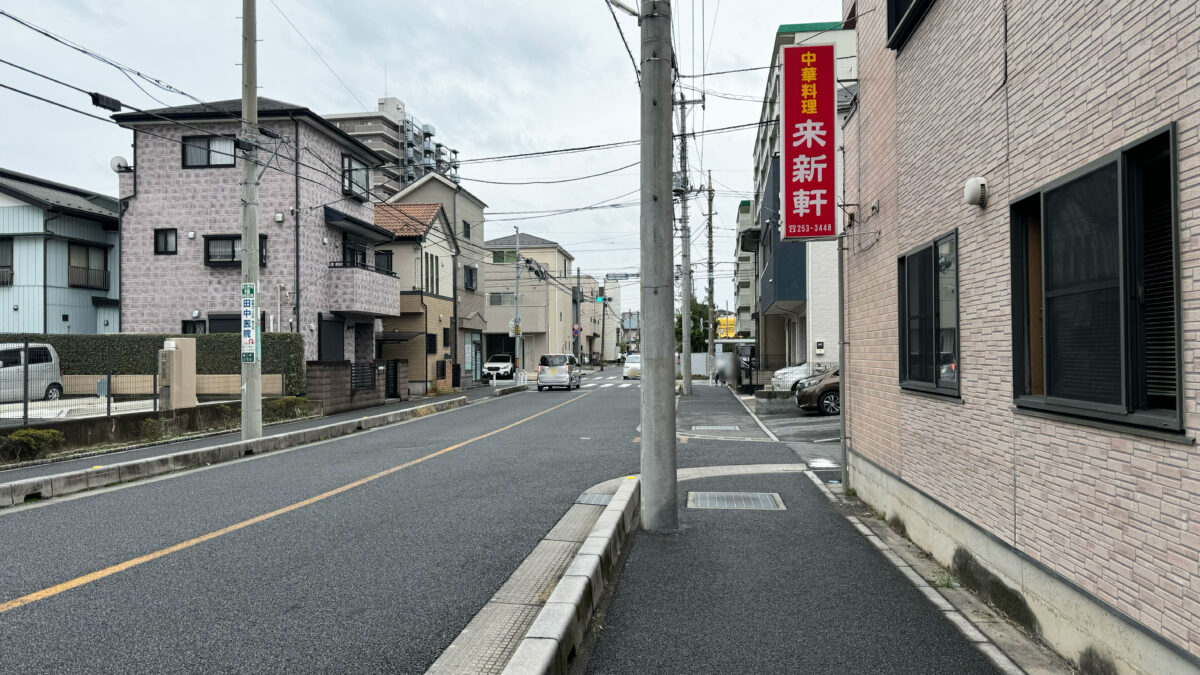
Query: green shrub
x=152 y=428
x=137 y=354
x=24 y=444
x=286 y=408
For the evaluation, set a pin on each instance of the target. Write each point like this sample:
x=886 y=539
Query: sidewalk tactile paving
x=533 y=581
x=578 y=522
x=488 y=642
x=761 y=501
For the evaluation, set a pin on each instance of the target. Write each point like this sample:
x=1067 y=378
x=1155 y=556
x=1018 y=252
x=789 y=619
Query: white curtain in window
x=220 y=150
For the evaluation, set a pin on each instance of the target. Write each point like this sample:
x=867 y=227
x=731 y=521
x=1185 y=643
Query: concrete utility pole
x=712 y=326
x=578 y=314
x=517 y=311
x=659 y=508
x=685 y=337
x=251 y=367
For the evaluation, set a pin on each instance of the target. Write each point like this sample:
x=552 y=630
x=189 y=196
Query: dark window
x=504 y=256
x=903 y=18
x=1095 y=313
x=194 y=327
x=466 y=232
x=437 y=275
x=928 y=294
x=355 y=177
x=431 y=343
x=446 y=336
x=164 y=242
x=87 y=266
x=6 y=261
x=207 y=151
x=10 y=358
x=441 y=369
x=226 y=250
x=383 y=260
x=224 y=323
x=354 y=251
x=39 y=355
x=470 y=278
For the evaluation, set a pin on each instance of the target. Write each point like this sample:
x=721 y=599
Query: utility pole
x=659 y=483
x=251 y=363
x=685 y=336
x=578 y=315
x=603 y=324
x=517 y=312
x=712 y=326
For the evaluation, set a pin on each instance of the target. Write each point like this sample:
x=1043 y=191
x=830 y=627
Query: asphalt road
x=8 y=475
x=230 y=569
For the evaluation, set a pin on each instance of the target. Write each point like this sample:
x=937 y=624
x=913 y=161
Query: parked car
x=558 y=370
x=785 y=379
x=822 y=393
x=499 y=366
x=45 y=372
x=632 y=370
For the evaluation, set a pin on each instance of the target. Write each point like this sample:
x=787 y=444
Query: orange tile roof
x=406 y=220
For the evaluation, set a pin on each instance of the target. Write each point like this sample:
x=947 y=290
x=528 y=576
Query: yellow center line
x=134 y=562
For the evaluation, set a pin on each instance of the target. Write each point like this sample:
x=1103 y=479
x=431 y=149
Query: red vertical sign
x=807 y=200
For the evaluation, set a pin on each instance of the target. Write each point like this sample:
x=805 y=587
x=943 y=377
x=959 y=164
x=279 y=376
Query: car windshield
x=633 y=358
x=500 y=358
x=554 y=360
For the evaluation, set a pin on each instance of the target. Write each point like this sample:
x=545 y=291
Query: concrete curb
x=504 y=391
x=58 y=485
x=558 y=630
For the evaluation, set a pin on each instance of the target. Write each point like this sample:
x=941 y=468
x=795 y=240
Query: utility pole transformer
x=252 y=364
x=685 y=317
x=712 y=326
x=659 y=508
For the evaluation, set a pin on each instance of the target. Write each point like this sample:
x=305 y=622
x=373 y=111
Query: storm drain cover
x=758 y=501
x=594 y=498
x=718 y=427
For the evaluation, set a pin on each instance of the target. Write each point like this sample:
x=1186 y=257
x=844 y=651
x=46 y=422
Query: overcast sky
x=494 y=77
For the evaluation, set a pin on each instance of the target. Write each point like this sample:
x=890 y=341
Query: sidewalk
x=73 y=464
x=795 y=590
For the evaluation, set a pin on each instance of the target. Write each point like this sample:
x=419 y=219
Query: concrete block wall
x=1030 y=97
x=329 y=383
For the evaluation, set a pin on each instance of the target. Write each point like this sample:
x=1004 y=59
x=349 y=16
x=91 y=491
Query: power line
x=837 y=26
x=550 y=182
x=314 y=51
x=637 y=74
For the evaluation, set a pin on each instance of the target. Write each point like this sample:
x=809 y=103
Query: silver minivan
x=558 y=370
x=45 y=372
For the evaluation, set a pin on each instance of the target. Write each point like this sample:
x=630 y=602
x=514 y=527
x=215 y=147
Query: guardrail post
x=25 y=384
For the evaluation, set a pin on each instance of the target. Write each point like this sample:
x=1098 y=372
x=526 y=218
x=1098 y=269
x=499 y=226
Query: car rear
x=632 y=369
x=554 y=370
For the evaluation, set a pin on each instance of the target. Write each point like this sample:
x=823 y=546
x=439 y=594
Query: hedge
x=137 y=354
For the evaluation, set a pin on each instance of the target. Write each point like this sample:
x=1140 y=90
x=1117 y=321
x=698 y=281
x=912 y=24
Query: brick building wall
x=1023 y=100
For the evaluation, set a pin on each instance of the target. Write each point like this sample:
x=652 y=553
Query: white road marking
x=624 y=385
x=590 y=384
x=819 y=463
x=606 y=384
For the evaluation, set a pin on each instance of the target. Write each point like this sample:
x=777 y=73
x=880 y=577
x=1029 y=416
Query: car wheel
x=830 y=403
x=54 y=392
x=540 y=387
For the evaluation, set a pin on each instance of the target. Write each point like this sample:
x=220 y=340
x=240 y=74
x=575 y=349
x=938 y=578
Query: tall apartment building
x=1021 y=375
x=406 y=142
x=796 y=286
x=744 y=275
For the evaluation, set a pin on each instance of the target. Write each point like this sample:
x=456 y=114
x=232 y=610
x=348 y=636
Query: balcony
x=357 y=288
x=85 y=277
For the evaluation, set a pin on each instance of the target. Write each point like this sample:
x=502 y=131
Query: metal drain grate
x=595 y=498
x=759 y=501
x=719 y=427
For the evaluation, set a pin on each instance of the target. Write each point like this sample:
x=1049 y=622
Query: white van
x=45 y=372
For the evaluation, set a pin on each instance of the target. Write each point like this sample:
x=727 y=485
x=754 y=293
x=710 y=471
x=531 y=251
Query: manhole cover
x=594 y=498
x=718 y=427
x=759 y=501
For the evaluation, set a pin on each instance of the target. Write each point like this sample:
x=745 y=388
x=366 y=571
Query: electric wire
x=314 y=51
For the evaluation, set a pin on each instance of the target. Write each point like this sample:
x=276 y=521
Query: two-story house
x=547 y=308
x=181 y=229
x=423 y=253
x=59 y=258
x=464 y=213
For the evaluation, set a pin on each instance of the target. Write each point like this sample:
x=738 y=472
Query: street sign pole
x=251 y=361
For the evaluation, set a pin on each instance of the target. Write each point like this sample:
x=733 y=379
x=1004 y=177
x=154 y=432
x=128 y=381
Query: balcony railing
x=361 y=266
x=85 y=277
x=6 y=276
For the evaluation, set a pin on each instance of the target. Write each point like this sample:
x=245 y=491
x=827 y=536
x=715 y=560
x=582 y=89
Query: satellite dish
x=118 y=164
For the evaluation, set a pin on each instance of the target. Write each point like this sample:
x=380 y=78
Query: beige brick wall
x=1115 y=513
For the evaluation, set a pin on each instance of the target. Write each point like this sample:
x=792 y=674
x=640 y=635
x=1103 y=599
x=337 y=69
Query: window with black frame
x=903 y=17
x=225 y=250
x=207 y=151
x=355 y=177
x=383 y=261
x=1095 y=290
x=165 y=241
x=928 y=295
x=354 y=252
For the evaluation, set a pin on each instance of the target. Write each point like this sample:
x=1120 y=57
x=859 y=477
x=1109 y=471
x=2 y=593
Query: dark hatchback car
x=821 y=393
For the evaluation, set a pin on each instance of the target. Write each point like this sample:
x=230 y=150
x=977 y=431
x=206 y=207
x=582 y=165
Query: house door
x=332 y=340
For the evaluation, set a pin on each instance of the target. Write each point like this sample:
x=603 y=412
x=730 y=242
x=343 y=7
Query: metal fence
x=362 y=375
x=116 y=375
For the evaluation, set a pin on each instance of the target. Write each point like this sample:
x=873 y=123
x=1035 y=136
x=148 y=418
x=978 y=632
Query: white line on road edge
x=960 y=621
x=758 y=421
